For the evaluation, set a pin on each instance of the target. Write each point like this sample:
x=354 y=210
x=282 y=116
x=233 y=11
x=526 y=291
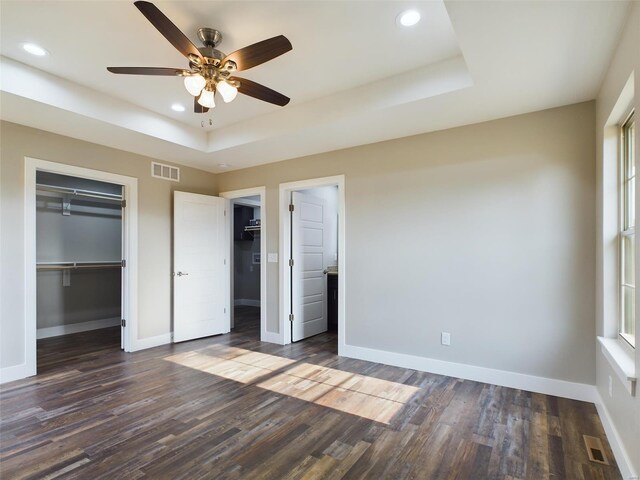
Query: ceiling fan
x=210 y=70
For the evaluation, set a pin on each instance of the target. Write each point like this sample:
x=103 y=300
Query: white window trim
x=622 y=232
x=621 y=357
x=619 y=353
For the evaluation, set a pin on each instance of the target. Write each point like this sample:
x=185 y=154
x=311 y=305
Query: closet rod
x=76 y=265
x=78 y=192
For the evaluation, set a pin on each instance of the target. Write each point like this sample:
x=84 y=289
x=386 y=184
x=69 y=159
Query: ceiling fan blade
x=167 y=29
x=147 y=71
x=197 y=108
x=259 y=53
x=255 y=90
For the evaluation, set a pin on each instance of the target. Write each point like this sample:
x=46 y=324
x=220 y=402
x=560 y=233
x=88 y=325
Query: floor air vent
x=595 y=450
x=158 y=170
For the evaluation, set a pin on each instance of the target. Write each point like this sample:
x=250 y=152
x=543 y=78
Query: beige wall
x=623 y=409
x=484 y=231
x=155 y=214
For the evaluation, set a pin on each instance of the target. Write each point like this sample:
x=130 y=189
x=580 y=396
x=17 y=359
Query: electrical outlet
x=610 y=386
x=445 y=338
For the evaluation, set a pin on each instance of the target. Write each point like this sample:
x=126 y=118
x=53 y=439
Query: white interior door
x=201 y=278
x=308 y=282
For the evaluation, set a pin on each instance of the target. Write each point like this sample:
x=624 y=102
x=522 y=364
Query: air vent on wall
x=158 y=170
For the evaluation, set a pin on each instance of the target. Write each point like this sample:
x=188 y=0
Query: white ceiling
x=354 y=76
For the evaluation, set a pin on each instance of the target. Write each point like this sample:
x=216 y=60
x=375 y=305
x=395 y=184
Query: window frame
x=627 y=223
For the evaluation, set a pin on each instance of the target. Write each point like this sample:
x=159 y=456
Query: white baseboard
x=271 y=337
x=77 y=327
x=15 y=372
x=622 y=457
x=548 y=386
x=150 y=342
x=246 y=302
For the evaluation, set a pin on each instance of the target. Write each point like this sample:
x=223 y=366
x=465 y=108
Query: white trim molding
x=129 y=250
x=271 y=337
x=262 y=193
x=67 y=329
x=150 y=342
x=623 y=459
x=15 y=372
x=503 y=378
x=621 y=361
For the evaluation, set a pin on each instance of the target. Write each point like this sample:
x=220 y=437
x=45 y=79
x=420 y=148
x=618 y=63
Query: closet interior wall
x=89 y=232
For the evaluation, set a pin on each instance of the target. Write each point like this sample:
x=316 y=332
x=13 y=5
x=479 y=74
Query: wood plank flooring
x=231 y=407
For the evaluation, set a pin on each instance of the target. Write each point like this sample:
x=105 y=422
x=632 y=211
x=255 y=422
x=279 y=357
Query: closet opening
x=79 y=269
x=246 y=255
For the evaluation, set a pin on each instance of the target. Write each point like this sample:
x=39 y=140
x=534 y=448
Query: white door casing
x=123 y=276
x=130 y=249
x=308 y=281
x=201 y=269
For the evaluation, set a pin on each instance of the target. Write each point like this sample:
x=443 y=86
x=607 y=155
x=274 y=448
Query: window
x=627 y=235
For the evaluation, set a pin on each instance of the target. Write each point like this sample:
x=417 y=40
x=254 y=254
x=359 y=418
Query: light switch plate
x=272 y=257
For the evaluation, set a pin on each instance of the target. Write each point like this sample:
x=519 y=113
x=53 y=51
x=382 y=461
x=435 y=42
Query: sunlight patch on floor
x=242 y=366
x=368 y=397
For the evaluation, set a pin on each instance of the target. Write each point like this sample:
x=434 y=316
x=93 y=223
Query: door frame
x=265 y=335
x=129 y=249
x=285 y=246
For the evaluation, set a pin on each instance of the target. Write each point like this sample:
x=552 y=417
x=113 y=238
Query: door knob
x=181 y=274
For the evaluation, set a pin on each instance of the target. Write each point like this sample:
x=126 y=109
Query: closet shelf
x=76 y=265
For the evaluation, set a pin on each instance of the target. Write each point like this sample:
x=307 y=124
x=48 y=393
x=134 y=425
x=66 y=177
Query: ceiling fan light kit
x=194 y=84
x=227 y=91
x=210 y=70
x=206 y=98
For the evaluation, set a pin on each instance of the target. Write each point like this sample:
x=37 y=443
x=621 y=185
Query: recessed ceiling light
x=409 y=18
x=176 y=107
x=34 y=49
x=223 y=165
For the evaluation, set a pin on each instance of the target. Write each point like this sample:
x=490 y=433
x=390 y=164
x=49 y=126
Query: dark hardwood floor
x=230 y=407
x=247 y=321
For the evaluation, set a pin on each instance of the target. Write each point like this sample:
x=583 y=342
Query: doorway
x=248 y=288
x=312 y=246
x=80 y=269
x=247 y=257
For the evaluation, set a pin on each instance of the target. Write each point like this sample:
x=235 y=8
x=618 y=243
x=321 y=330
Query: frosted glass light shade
x=227 y=91
x=206 y=99
x=194 y=84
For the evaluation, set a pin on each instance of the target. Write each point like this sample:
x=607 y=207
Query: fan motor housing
x=209 y=36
